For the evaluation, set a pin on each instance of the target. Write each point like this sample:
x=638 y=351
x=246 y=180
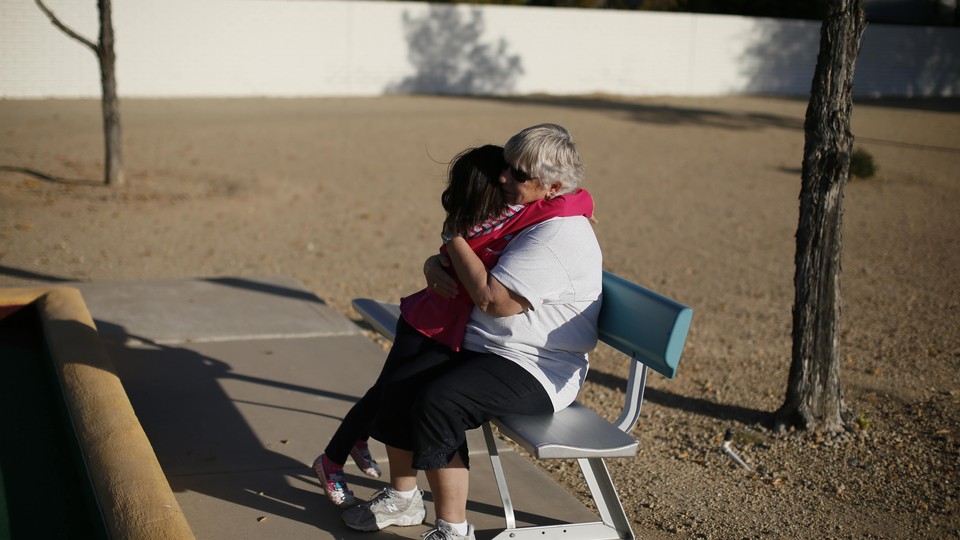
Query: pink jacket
x=445 y=320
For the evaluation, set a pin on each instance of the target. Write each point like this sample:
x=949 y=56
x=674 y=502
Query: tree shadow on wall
x=449 y=58
x=913 y=61
x=782 y=58
x=894 y=60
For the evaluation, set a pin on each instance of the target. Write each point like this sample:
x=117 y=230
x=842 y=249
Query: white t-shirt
x=557 y=266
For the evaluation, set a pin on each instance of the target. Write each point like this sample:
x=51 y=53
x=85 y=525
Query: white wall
x=179 y=48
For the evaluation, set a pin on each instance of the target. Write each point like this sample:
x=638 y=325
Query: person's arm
x=486 y=291
x=437 y=278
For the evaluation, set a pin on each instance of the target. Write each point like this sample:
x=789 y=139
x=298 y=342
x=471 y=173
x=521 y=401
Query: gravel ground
x=697 y=199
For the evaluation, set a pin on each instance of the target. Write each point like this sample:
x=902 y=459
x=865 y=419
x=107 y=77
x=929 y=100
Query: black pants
x=428 y=396
x=399 y=368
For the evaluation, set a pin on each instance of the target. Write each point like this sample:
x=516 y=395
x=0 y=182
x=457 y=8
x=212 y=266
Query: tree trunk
x=112 y=135
x=110 y=106
x=814 y=397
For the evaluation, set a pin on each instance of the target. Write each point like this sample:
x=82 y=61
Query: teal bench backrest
x=642 y=324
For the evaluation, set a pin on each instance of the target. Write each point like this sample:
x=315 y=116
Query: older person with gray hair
x=524 y=351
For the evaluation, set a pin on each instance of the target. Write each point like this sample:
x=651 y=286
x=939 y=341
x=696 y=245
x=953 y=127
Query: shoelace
x=379 y=496
x=438 y=533
x=432 y=534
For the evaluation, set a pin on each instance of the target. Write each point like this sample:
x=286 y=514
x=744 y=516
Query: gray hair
x=547 y=153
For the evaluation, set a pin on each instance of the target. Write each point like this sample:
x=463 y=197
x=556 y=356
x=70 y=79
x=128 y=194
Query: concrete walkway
x=239 y=383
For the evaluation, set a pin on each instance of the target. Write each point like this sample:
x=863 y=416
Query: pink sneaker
x=361 y=456
x=331 y=476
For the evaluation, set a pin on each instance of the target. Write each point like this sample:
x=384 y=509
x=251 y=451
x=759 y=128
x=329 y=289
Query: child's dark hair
x=473 y=188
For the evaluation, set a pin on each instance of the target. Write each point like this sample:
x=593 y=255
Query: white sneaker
x=386 y=508
x=445 y=531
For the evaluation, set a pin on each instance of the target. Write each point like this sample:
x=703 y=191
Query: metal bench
x=644 y=325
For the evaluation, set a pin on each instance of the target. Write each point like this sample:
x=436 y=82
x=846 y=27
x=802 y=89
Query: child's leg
x=412 y=352
x=406 y=359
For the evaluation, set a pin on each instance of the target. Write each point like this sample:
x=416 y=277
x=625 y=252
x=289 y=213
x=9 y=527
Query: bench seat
x=575 y=432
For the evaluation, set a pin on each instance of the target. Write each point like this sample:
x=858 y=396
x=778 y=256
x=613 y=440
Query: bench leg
x=614 y=525
x=605 y=495
x=491 y=440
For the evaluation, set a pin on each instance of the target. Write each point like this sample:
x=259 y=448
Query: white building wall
x=289 y=48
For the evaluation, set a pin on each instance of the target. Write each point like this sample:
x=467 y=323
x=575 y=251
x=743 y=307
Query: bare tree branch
x=110 y=102
x=66 y=29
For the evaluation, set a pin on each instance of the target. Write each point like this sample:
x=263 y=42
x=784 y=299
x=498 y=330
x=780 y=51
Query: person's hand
x=438 y=280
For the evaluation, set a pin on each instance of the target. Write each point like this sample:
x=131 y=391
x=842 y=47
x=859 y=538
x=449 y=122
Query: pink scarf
x=445 y=320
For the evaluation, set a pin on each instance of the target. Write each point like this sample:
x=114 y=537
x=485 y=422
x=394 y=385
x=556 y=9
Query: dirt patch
x=697 y=199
